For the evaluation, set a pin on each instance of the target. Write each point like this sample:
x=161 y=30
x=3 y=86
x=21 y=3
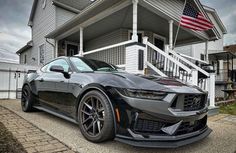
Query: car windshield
x=88 y=65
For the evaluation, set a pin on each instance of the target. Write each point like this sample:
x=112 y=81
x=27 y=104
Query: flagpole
x=176 y=36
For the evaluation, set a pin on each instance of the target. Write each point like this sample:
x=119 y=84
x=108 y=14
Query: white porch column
x=206 y=51
x=81 y=52
x=211 y=89
x=195 y=77
x=135 y=20
x=171 y=34
x=145 y=40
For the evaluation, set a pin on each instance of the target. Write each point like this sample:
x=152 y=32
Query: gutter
x=54 y=47
x=66 y=7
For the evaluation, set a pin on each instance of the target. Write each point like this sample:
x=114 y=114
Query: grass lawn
x=228 y=109
x=8 y=144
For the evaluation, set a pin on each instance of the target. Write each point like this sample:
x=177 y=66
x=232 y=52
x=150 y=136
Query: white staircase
x=168 y=63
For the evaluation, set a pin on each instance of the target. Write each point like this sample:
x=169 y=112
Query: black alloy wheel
x=26 y=99
x=95 y=117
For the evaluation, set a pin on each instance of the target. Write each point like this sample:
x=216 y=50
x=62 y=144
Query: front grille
x=194 y=102
x=144 y=126
x=148 y=126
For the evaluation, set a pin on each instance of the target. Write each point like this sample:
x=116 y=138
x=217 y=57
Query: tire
x=27 y=99
x=95 y=110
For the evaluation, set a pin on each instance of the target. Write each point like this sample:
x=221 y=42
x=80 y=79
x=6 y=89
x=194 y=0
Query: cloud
x=14 y=32
x=227 y=12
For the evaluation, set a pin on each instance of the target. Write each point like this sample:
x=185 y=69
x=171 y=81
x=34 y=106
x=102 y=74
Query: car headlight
x=142 y=94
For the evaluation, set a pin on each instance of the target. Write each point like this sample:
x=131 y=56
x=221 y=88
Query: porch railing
x=192 y=59
x=114 y=54
x=173 y=65
x=167 y=64
x=201 y=76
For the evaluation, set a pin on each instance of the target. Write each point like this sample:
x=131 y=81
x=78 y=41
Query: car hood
x=148 y=82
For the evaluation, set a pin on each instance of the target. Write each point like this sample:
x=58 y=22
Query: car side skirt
x=56 y=114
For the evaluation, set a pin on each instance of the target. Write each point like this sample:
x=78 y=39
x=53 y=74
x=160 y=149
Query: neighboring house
x=134 y=34
x=25 y=53
x=225 y=65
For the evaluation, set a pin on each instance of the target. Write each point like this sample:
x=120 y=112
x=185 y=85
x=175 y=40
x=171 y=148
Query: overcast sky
x=14 y=15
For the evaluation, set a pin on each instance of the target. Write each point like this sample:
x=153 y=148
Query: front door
x=52 y=86
x=71 y=50
x=159 y=43
x=158 y=59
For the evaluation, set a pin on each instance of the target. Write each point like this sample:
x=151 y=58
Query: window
x=41 y=54
x=202 y=57
x=25 y=59
x=44 y=68
x=87 y=65
x=59 y=62
x=80 y=65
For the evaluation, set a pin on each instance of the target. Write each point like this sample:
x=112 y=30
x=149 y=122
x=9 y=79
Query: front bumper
x=161 y=124
x=165 y=142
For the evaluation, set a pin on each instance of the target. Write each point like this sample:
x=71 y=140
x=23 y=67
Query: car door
x=53 y=85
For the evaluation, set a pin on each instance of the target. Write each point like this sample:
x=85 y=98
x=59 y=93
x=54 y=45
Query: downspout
x=54 y=48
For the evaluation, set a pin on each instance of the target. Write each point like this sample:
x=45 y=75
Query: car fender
x=100 y=88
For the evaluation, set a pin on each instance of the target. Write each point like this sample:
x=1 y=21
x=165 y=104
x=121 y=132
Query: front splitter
x=165 y=144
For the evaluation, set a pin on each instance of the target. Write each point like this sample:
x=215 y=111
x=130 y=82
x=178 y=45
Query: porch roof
x=85 y=17
x=101 y=10
x=221 y=56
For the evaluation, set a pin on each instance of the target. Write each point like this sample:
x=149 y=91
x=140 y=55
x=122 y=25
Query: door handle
x=41 y=80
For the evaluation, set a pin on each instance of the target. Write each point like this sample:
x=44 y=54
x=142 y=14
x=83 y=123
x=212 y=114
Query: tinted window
x=80 y=64
x=59 y=62
x=83 y=64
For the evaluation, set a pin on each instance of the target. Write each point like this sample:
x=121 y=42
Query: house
x=137 y=35
x=224 y=63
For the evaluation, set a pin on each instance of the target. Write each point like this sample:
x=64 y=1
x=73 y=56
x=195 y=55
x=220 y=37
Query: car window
x=44 y=68
x=80 y=65
x=87 y=65
x=59 y=62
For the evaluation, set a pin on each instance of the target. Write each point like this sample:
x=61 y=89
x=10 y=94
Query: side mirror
x=57 y=68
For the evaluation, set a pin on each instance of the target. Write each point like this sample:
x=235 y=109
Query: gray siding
x=43 y=23
x=26 y=53
x=62 y=16
x=107 y=39
x=116 y=55
x=173 y=9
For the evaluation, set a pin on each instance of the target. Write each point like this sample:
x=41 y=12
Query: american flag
x=194 y=20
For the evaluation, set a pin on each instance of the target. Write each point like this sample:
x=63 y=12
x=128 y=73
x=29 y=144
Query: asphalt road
x=222 y=140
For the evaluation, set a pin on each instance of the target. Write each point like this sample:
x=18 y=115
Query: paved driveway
x=222 y=140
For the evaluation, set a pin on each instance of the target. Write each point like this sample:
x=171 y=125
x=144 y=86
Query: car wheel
x=26 y=99
x=96 y=117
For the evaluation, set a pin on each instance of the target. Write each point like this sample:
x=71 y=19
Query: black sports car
x=108 y=103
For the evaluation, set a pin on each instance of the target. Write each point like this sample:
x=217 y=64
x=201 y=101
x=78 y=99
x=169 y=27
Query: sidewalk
x=32 y=138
